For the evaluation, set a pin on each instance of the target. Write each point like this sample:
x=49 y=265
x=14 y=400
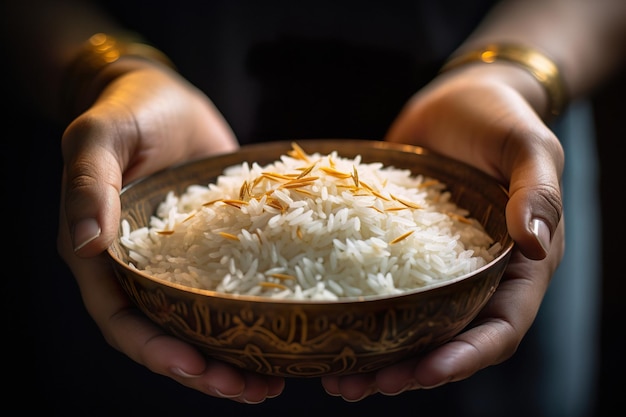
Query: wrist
x=544 y=71
x=101 y=59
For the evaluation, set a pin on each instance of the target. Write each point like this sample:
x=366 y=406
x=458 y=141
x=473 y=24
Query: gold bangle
x=99 y=51
x=539 y=65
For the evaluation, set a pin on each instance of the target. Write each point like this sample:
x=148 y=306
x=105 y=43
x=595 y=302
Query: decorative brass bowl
x=313 y=338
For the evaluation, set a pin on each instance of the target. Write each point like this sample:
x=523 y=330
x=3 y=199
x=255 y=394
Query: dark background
x=610 y=115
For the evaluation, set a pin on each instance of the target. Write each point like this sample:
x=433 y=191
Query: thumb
x=92 y=180
x=535 y=206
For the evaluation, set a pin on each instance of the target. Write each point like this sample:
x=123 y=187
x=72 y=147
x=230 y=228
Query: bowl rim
x=503 y=255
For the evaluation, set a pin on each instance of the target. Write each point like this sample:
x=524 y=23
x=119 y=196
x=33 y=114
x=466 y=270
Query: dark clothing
x=285 y=69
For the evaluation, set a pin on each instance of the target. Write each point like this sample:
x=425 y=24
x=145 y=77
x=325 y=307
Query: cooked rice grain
x=319 y=227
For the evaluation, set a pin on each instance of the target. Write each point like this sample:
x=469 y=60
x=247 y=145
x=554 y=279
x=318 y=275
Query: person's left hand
x=481 y=115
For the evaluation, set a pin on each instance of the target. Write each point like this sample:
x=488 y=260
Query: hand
x=146 y=119
x=482 y=115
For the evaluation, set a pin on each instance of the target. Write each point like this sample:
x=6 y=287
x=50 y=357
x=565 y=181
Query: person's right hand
x=146 y=119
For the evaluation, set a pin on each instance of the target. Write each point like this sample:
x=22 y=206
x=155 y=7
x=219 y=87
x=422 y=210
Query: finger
x=142 y=122
x=494 y=335
x=351 y=388
x=260 y=387
x=129 y=331
x=535 y=204
x=121 y=324
x=126 y=329
x=491 y=339
x=92 y=181
x=508 y=142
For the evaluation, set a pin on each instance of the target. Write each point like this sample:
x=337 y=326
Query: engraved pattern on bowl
x=312 y=338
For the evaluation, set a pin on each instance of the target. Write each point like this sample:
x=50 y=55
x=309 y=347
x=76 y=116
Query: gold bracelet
x=99 y=51
x=539 y=65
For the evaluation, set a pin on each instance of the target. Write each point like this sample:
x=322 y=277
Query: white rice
x=319 y=227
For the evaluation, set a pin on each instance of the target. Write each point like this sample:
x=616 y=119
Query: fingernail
x=182 y=373
x=438 y=384
x=542 y=233
x=332 y=394
x=367 y=393
x=408 y=387
x=222 y=395
x=253 y=402
x=85 y=231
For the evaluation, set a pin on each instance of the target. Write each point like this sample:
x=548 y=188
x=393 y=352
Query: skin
x=504 y=137
x=140 y=116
